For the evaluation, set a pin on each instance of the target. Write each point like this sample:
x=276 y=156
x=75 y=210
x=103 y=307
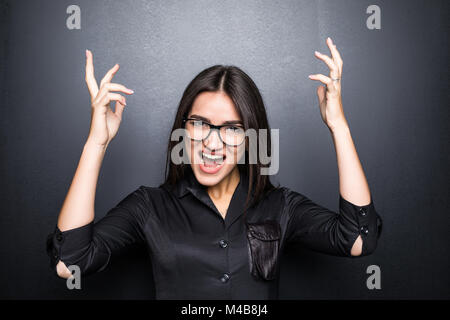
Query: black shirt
x=197 y=254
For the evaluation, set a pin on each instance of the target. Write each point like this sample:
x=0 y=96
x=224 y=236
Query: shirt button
x=225 y=278
x=362 y=212
x=364 y=230
x=223 y=243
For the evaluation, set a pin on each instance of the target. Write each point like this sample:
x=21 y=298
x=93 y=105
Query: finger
x=335 y=53
x=119 y=109
x=109 y=75
x=110 y=96
x=325 y=80
x=110 y=86
x=334 y=70
x=89 y=77
x=107 y=87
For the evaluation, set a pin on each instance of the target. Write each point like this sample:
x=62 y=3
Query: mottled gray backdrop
x=395 y=95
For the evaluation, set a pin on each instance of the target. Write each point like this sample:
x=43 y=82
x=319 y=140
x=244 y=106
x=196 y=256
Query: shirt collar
x=189 y=184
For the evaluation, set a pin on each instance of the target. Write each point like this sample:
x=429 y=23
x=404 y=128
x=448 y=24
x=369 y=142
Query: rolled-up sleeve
x=327 y=231
x=90 y=247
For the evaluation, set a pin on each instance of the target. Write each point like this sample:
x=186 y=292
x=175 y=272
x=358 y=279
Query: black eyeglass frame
x=214 y=127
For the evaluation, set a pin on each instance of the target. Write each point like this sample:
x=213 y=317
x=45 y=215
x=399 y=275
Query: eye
x=197 y=123
x=233 y=129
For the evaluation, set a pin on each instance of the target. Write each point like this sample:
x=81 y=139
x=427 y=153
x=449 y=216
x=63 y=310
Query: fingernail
x=131 y=90
x=316 y=52
x=310 y=76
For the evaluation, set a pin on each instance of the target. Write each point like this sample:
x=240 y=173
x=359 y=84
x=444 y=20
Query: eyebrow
x=207 y=120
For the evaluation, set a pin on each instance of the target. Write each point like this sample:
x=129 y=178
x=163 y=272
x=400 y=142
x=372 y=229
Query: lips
x=209 y=158
x=211 y=163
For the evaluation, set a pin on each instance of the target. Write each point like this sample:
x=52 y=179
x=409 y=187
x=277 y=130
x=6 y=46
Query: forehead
x=215 y=106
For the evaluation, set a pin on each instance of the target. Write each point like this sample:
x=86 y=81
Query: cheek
x=240 y=151
x=193 y=148
x=189 y=147
x=234 y=154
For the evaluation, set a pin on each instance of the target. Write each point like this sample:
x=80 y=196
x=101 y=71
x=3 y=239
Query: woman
x=216 y=227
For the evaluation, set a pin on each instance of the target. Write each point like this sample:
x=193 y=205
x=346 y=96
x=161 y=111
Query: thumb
x=119 y=109
x=321 y=94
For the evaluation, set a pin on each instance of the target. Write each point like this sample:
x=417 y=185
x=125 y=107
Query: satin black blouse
x=197 y=254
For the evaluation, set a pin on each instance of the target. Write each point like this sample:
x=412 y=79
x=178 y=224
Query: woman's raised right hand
x=104 y=122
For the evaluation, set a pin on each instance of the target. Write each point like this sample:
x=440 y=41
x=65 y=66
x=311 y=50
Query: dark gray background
x=395 y=95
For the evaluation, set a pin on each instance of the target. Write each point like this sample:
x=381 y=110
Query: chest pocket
x=264 y=246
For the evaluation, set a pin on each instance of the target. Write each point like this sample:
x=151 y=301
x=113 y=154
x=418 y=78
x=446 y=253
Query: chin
x=210 y=177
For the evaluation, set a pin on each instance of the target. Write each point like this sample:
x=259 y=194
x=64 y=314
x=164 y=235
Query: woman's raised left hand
x=330 y=101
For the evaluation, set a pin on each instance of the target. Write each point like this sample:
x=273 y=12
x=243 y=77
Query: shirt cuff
x=367 y=221
x=66 y=245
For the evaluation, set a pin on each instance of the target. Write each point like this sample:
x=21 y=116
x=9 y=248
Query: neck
x=226 y=186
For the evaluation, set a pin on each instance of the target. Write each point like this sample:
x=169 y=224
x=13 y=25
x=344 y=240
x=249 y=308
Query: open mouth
x=212 y=159
x=211 y=163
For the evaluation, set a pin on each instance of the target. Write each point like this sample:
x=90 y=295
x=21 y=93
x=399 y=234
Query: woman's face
x=211 y=159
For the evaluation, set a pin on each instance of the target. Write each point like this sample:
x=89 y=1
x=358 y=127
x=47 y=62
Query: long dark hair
x=249 y=104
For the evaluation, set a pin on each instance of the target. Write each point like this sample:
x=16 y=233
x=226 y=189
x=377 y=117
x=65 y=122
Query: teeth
x=212 y=157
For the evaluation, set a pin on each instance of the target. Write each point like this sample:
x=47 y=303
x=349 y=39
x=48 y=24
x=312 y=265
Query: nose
x=213 y=141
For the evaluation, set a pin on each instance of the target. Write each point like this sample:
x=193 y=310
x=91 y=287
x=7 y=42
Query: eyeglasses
x=230 y=134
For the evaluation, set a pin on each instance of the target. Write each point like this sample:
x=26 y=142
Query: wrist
x=90 y=144
x=341 y=126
